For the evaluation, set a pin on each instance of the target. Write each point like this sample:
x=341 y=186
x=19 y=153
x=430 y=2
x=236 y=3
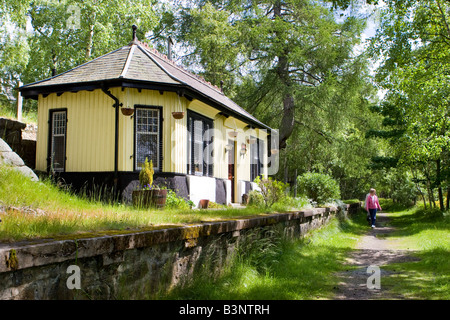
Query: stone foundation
x=137 y=265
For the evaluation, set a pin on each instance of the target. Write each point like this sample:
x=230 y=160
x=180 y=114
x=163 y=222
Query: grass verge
x=63 y=214
x=278 y=268
x=427 y=232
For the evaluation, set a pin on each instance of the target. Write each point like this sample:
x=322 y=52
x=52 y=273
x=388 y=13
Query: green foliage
x=276 y=268
x=146 y=175
x=413 y=49
x=427 y=233
x=256 y=199
x=173 y=201
x=271 y=190
x=351 y=201
x=276 y=58
x=319 y=187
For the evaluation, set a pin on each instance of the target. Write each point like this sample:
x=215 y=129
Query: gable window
x=147 y=139
x=200 y=139
x=57 y=147
x=256 y=161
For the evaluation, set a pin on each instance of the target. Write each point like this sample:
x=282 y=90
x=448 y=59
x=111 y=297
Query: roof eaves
x=60 y=74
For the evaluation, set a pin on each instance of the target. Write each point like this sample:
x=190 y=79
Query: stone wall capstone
x=137 y=265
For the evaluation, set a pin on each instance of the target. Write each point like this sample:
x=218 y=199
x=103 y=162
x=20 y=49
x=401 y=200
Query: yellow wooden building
x=98 y=122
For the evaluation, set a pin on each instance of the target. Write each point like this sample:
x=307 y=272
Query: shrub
x=271 y=190
x=215 y=205
x=256 y=199
x=318 y=187
x=351 y=201
x=173 y=201
x=146 y=174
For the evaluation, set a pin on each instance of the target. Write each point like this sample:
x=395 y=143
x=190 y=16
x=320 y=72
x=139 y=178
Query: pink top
x=372 y=202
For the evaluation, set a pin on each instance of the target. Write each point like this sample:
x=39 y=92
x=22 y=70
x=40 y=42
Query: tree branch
x=326 y=137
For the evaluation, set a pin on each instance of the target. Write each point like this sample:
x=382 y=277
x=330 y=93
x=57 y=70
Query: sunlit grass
x=64 y=213
x=427 y=232
x=10 y=113
x=281 y=269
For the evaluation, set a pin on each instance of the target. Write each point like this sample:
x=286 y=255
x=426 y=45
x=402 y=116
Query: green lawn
x=282 y=269
x=64 y=213
x=428 y=233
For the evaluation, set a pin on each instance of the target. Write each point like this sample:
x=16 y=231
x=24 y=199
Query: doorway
x=232 y=167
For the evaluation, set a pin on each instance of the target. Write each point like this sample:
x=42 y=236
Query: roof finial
x=134 y=27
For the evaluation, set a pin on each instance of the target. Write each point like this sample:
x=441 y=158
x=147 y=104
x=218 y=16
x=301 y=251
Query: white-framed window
x=200 y=141
x=256 y=158
x=148 y=140
x=57 y=148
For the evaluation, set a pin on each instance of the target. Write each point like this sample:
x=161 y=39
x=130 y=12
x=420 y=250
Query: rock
x=28 y=173
x=11 y=124
x=4 y=147
x=11 y=159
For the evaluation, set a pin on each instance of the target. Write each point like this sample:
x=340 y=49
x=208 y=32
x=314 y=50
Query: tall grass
x=274 y=267
x=63 y=213
x=9 y=112
x=427 y=232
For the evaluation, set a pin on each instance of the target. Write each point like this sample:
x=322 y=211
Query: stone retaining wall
x=13 y=132
x=10 y=158
x=135 y=265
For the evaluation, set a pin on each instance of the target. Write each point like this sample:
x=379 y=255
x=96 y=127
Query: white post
x=19 y=103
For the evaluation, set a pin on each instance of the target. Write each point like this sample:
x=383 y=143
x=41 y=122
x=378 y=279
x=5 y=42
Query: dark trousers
x=373 y=215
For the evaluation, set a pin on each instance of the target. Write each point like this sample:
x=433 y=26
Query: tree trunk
x=90 y=42
x=282 y=69
x=438 y=184
x=416 y=182
x=429 y=189
x=287 y=121
x=448 y=197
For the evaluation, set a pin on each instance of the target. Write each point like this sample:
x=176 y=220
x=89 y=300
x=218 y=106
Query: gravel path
x=372 y=249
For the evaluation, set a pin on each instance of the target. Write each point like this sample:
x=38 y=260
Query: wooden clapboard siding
x=91 y=126
x=173 y=133
x=90 y=130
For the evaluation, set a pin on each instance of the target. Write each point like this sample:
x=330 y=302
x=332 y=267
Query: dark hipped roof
x=137 y=65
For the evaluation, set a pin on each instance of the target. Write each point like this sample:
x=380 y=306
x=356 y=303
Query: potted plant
x=203 y=204
x=148 y=195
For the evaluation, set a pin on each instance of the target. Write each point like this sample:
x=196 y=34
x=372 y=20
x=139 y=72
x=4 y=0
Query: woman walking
x=372 y=205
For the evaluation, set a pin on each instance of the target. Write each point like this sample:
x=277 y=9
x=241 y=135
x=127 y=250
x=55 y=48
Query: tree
x=68 y=33
x=13 y=46
x=278 y=59
x=413 y=46
x=65 y=34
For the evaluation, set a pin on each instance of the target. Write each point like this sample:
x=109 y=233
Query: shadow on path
x=373 y=249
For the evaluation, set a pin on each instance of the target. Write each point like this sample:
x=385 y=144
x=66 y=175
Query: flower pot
x=127 y=111
x=251 y=140
x=178 y=115
x=149 y=198
x=203 y=204
x=160 y=197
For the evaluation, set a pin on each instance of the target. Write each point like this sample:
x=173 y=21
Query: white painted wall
x=228 y=190
x=201 y=188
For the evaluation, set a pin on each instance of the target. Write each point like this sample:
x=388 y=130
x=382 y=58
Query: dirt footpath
x=372 y=250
